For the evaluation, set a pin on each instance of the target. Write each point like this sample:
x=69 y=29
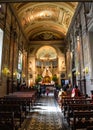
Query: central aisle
x=45 y=115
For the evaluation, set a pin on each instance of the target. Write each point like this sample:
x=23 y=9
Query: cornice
x=55 y=42
x=15 y=1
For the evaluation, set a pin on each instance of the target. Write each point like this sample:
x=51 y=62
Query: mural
x=46 y=35
x=51 y=16
x=46 y=53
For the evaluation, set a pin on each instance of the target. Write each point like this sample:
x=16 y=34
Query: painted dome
x=46 y=53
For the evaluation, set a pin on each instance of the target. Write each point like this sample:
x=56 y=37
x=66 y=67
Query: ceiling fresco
x=45 y=20
x=46 y=53
x=46 y=35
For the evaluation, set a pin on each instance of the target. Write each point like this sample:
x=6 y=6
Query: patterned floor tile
x=46 y=115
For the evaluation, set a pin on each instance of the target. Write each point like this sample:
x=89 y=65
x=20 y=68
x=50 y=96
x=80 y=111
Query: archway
x=46 y=62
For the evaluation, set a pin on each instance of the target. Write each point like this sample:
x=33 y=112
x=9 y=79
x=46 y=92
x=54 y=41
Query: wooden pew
x=82 y=119
x=68 y=101
x=7 y=121
x=77 y=107
x=29 y=97
x=18 y=102
x=24 y=102
x=90 y=128
x=16 y=109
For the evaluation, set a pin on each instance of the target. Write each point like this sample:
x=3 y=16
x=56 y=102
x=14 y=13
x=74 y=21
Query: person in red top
x=75 y=91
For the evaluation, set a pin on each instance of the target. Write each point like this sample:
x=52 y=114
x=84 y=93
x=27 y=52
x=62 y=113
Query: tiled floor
x=46 y=115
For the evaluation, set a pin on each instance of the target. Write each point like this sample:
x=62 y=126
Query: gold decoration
x=6 y=71
x=77 y=73
x=86 y=70
x=15 y=74
x=23 y=75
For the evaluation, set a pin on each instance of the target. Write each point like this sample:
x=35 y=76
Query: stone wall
x=13 y=41
x=82 y=27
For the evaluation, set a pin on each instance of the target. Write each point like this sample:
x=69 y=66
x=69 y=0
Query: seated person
x=69 y=90
x=62 y=94
x=75 y=92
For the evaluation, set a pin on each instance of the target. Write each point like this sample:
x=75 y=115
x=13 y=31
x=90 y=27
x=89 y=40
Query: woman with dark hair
x=69 y=90
x=76 y=92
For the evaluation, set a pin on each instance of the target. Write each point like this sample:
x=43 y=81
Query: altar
x=48 y=85
x=47 y=79
x=51 y=87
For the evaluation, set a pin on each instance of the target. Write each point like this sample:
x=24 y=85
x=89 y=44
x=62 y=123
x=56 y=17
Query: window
x=1 y=44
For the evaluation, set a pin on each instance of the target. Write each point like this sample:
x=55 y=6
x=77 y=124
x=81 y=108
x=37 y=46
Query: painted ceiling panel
x=52 y=17
x=46 y=53
x=41 y=28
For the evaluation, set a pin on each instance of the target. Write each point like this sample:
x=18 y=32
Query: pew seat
x=81 y=120
x=7 y=121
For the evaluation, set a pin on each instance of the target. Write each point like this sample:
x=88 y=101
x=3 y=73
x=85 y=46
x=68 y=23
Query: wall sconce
x=86 y=70
x=77 y=73
x=6 y=71
x=15 y=74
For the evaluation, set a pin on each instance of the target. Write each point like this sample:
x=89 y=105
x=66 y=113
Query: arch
x=46 y=52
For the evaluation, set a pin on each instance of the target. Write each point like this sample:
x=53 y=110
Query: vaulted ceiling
x=45 y=20
x=45 y=23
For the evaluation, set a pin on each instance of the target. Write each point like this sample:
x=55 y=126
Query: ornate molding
x=43 y=1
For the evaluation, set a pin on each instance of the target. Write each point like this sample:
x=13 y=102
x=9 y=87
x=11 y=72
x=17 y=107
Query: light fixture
x=85 y=70
x=5 y=71
x=77 y=73
x=15 y=73
x=78 y=38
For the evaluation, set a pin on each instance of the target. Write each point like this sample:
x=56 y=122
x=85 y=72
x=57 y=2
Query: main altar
x=47 y=77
